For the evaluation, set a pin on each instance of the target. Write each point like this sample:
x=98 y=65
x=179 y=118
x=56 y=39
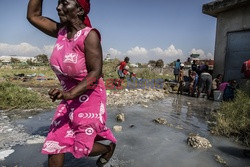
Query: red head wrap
x=86 y=7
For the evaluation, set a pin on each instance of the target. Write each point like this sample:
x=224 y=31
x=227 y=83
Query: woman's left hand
x=56 y=94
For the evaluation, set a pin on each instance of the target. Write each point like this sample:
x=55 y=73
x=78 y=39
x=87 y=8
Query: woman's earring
x=81 y=12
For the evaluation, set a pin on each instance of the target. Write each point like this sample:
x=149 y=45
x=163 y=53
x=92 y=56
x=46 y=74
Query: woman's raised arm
x=46 y=25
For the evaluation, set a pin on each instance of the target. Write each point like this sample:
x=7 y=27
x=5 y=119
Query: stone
x=220 y=160
x=162 y=121
x=132 y=126
x=117 y=128
x=175 y=88
x=179 y=127
x=5 y=153
x=196 y=141
x=120 y=117
x=167 y=91
x=36 y=140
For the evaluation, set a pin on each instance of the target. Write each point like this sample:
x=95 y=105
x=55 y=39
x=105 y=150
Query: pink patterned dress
x=77 y=123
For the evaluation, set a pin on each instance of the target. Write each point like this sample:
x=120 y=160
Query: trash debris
x=196 y=141
x=117 y=128
x=120 y=117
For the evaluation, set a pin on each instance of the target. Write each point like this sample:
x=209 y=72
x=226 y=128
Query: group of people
x=199 y=80
x=182 y=79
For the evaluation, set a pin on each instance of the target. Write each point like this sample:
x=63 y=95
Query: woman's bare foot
x=104 y=158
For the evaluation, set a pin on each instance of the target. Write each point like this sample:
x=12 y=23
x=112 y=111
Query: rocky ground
x=136 y=96
x=12 y=135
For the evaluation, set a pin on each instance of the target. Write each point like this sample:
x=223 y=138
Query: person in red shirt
x=122 y=66
x=246 y=68
x=121 y=71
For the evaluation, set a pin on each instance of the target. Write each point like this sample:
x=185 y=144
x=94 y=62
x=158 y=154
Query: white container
x=217 y=95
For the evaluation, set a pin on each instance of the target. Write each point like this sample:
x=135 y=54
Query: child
x=193 y=79
x=181 y=79
x=177 y=69
x=229 y=92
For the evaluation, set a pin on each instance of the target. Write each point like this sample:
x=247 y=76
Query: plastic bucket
x=217 y=95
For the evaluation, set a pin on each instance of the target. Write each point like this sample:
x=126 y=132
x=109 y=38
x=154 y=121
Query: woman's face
x=67 y=10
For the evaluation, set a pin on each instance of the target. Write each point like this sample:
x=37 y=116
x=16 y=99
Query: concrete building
x=232 y=45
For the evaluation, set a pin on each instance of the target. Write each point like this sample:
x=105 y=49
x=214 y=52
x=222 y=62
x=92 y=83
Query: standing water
x=142 y=142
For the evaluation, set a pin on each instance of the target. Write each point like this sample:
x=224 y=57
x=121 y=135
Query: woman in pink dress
x=80 y=119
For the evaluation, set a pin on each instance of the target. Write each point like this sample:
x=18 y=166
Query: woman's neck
x=73 y=28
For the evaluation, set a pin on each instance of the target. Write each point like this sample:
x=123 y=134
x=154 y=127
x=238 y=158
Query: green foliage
x=139 y=65
x=159 y=63
x=146 y=73
x=30 y=62
x=13 y=96
x=172 y=63
x=20 y=65
x=14 y=60
x=152 y=63
x=233 y=118
x=42 y=59
x=109 y=68
x=26 y=69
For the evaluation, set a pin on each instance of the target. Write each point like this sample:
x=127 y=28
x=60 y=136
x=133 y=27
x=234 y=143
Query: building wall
x=229 y=21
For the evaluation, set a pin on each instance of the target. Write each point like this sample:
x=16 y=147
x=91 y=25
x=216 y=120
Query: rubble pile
x=196 y=141
x=134 y=96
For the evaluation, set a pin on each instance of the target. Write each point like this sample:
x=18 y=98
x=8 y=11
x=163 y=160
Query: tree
x=14 y=60
x=159 y=63
x=30 y=62
x=139 y=65
x=172 y=63
x=42 y=59
x=152 y=63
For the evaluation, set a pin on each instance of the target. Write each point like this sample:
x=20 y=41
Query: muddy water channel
x=142 y=142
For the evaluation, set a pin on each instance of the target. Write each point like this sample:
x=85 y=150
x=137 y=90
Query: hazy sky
x=141 y=29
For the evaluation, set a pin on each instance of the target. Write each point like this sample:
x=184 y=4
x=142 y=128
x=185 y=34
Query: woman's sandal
x=104 y=158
